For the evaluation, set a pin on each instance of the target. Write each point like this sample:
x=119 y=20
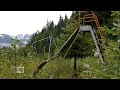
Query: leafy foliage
x=88 y=67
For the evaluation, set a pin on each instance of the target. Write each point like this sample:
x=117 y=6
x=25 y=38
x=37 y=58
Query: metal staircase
x=91 y=17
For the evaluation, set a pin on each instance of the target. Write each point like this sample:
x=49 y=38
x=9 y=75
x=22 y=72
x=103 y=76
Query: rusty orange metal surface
x=91 y=17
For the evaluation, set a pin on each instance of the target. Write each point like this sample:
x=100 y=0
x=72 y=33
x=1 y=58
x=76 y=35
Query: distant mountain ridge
x=6 y=40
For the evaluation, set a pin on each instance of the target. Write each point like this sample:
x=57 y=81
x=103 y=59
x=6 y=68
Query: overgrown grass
x=60 y=68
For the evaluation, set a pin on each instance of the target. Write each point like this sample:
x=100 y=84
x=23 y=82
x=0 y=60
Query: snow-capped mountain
x=6 y=40
x=24 y=38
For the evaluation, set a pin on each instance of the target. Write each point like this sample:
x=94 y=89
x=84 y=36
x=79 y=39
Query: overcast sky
x=27 y=22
